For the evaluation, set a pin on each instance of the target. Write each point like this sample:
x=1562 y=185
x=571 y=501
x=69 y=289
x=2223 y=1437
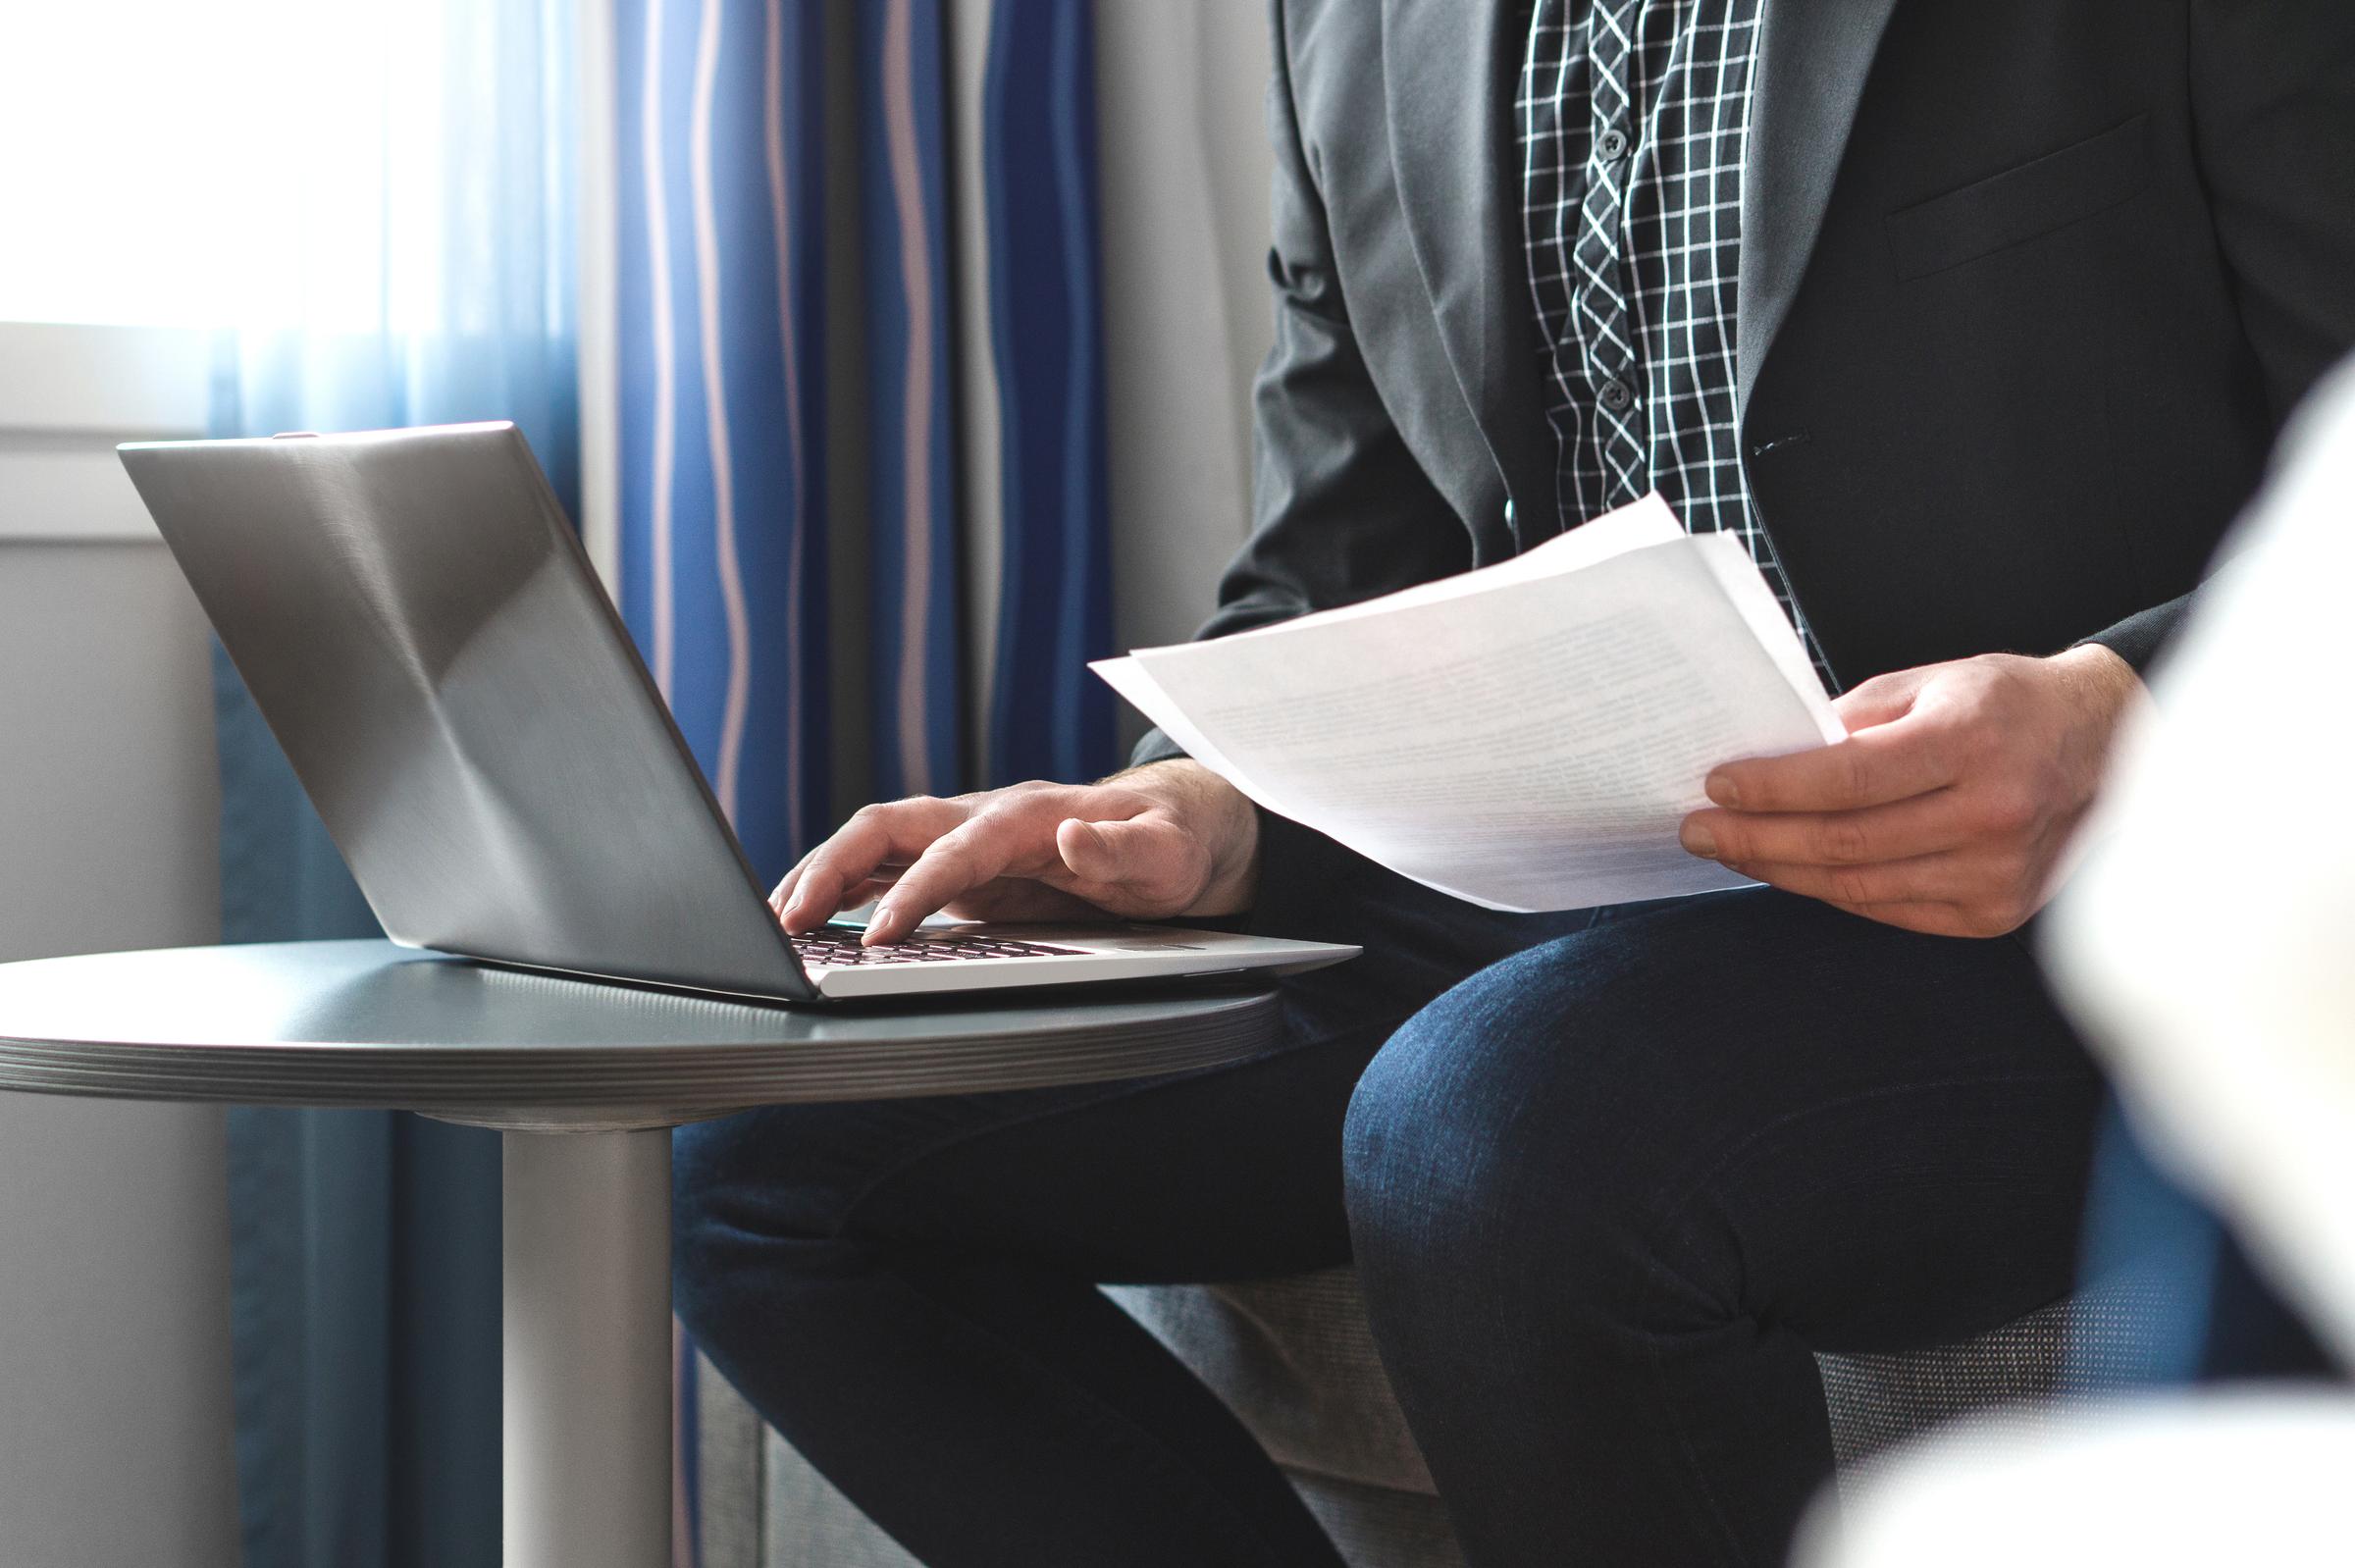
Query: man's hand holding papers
x=1952 y=807
x=1526 y=737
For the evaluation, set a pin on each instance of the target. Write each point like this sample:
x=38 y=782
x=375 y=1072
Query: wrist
x=2101 y=681
x=1221 y=816
x=2099 y=689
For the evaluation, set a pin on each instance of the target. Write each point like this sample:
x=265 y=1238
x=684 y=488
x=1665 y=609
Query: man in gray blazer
x=1975 y=320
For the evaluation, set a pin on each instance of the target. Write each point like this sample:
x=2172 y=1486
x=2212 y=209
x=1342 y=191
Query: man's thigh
x=1233 y=1172
x=1869 y=1137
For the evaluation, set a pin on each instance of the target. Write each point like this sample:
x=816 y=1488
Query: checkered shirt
x=1633 y=120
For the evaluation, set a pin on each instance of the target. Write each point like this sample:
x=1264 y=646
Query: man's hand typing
x=1166 y=840
x=1948 y=807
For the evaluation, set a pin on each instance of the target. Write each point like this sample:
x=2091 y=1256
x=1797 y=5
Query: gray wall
x=1186 y=170
x=109 y=801
x=115 y=1434
x=1182 y=144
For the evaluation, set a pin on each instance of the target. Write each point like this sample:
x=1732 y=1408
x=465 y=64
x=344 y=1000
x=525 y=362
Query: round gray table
x=585 y=1082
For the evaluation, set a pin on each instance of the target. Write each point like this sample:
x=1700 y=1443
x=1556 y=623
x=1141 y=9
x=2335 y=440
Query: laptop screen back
x=421 y=630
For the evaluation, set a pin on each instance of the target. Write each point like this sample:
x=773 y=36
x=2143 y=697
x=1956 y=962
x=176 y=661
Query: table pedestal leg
x=587 y=1349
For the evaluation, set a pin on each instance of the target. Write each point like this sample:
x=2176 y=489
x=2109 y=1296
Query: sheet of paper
x=1527 y=737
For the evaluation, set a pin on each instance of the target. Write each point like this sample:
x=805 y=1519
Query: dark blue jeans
x=1610 y=1181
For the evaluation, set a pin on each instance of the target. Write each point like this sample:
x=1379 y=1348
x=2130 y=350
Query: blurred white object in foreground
x=2195 y=1483
x=2208 y=942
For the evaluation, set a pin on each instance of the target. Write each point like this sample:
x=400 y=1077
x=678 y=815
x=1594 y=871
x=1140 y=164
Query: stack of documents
x=1527 y=736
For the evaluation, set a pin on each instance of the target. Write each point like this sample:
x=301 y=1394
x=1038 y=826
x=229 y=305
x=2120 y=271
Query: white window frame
x=68 y=395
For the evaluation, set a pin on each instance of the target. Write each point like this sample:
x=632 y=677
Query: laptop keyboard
x=829 y=950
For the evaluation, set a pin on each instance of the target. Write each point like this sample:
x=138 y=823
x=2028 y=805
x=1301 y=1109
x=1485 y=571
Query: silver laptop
x=421 y=629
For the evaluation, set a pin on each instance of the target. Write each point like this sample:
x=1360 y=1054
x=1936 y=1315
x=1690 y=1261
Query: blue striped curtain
x=721 y=360
x=739 y=185
x=730 y=180
x=1049 y=717
x=915 y=639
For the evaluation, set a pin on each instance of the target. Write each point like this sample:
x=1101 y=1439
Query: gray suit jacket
x=2027 y=287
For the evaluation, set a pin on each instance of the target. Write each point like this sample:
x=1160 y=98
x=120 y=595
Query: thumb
x=1146 y=854
x=1883 y=700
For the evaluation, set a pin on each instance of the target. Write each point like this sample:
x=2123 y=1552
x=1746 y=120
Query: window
x=176 y=168
x=171 y=164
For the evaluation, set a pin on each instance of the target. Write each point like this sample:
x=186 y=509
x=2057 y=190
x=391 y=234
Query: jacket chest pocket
x=2021 y=204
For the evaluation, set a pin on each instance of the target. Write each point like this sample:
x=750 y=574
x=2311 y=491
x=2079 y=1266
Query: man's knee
x=1430 y=1155
x=1422 y=1123
x=1524 y=1123
x=750 y=1207
x=705 y=1243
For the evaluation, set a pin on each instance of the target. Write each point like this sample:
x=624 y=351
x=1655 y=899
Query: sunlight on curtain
x=410 y=256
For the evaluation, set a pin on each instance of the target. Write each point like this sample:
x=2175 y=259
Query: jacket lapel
x=1812 y=68
x=1450 y=75
x=1450 y=71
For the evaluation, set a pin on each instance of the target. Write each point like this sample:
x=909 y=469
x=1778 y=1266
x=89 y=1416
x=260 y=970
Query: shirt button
x=1613 y=145
x=1615 y=396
